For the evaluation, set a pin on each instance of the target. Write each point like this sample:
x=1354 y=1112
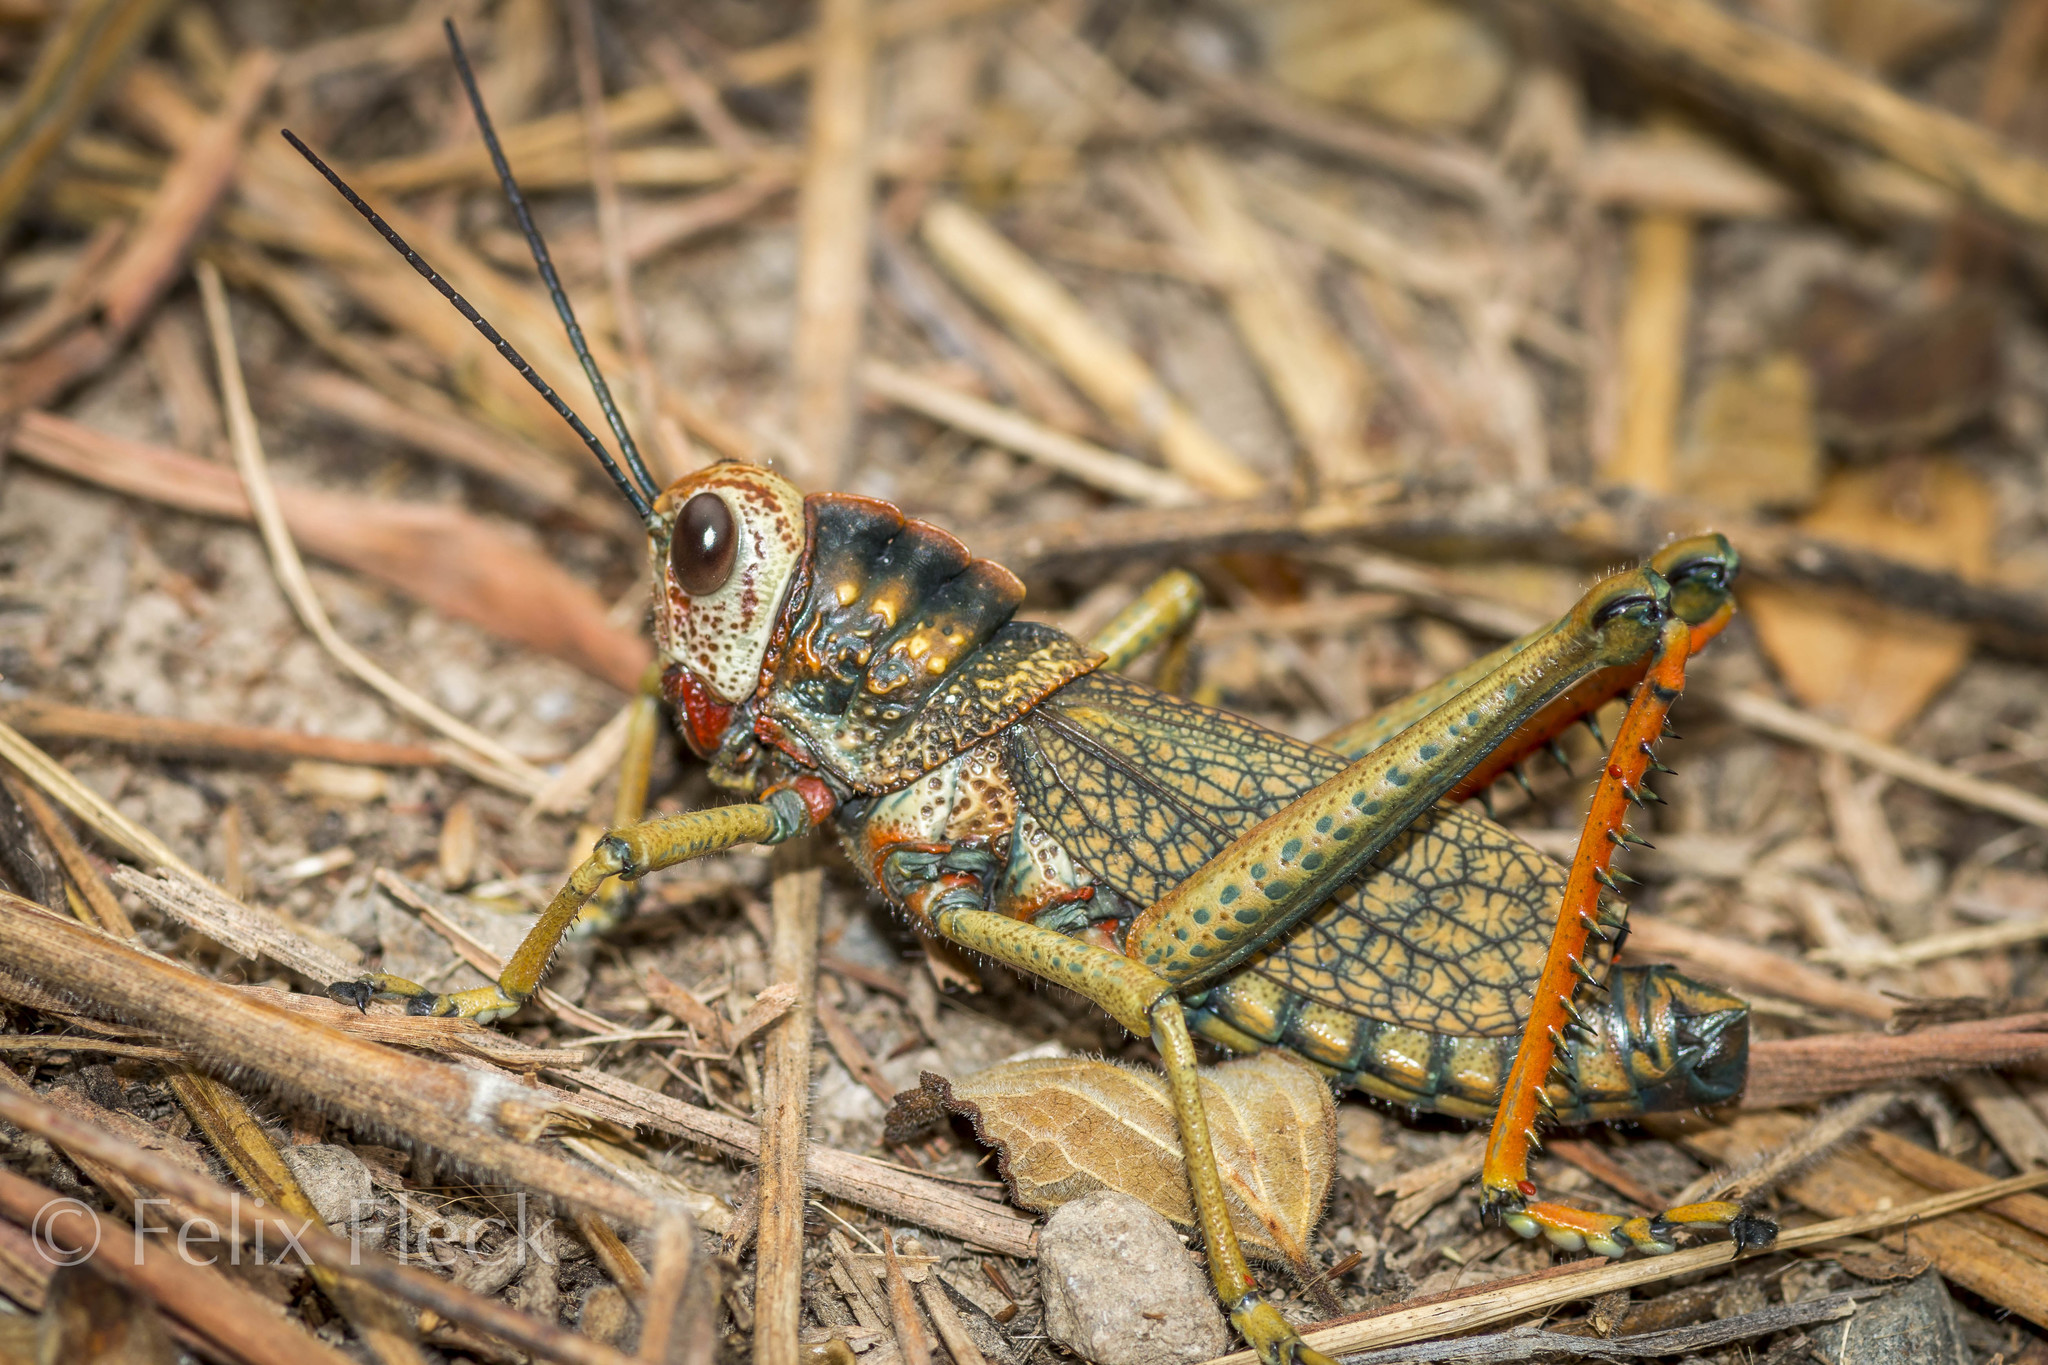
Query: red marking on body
x=705 y=718
x=775 y=735
x=818 y=798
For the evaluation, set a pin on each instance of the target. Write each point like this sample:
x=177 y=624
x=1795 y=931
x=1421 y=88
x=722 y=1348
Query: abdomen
x=1659 y=1041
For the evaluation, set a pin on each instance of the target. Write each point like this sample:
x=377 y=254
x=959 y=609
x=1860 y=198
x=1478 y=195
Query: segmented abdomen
x=1658 y=1041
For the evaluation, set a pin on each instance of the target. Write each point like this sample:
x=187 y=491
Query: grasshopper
x=845 y=667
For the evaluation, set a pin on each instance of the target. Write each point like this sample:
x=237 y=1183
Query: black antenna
x=463 y=306
x=538 y=245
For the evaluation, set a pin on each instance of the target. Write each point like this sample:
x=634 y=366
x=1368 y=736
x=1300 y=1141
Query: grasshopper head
x=727 y=542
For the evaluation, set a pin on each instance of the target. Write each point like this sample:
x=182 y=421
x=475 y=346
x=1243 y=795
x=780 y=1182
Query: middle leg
x=1143 y=1003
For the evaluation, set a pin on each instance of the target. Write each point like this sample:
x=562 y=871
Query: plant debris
x=1392 y=321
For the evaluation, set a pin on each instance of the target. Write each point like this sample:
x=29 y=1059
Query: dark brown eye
x=701 y=553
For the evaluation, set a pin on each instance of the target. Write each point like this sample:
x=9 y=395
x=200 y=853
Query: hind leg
x=1509 y=1191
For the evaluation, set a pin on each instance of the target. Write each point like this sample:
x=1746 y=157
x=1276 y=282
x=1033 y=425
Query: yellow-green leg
x=625 y=853
x=1143 y=1003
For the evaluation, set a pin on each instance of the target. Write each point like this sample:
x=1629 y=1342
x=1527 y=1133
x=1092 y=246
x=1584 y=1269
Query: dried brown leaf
x=1067 y=1126
x=1875 y=667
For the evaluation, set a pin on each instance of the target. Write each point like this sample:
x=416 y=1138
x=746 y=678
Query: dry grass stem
x=2005 y=1116
x=1654 y=938
x=450 y=437
x=1938 y=1172
x=1664 y=171
x=1799 y=1146
x=253 y=933
x=1321 y=385
x=1653 y=332
x=671 y=447
x=1445 y=167
x=1794 y=1070
x=833 y=211
x=786 y=1095
x=946 y=1319
x=1773 y=717
x=1985 y=1254
x=1090 y=464
x=197 y=178
x=1482 y=1306
x=1040 y=309
x=903 y=1316
x=479 y=1117
x=569 y=788
x=47 y=720
x=1758 y=69
x=646 y=107
x=487 y=759
x=235 y=1320
x=79 y=57
x=101 y=908
x=1935 y=947
x=673 y=1329
x=890 y=1190
x=88 y=805
x=235 y=1134
x=846 y=1045
x=323 y=1248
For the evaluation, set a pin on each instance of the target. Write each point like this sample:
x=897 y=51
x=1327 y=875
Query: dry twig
x=323 y=1248
x=1481 y=1306
x=786 y=1087
x=833 y=210
x=1013 y=287
x=1757 y=68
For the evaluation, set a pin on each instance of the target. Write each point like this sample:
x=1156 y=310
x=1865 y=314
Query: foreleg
x=626 y=853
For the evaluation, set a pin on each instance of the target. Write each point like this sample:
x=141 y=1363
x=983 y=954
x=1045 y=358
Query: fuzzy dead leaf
x=1067 y=1126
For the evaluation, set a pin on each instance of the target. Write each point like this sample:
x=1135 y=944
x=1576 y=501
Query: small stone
x=334 y=1178
x=1914 y=1325
x=1120 y=1289
x=606 y=1315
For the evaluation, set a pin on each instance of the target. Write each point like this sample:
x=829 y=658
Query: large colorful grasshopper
x=1186 y=870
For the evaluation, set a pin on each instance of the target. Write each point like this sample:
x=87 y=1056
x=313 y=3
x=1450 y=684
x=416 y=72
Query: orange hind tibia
x=1508 y=1190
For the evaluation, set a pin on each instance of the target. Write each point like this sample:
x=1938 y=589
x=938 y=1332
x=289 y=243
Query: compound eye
x=705 y=543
